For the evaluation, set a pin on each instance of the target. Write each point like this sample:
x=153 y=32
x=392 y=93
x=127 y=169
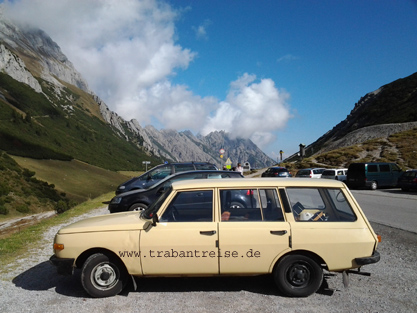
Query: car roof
x=194 y=172
x=162 y=181
x=336 y=169
x=256 y=182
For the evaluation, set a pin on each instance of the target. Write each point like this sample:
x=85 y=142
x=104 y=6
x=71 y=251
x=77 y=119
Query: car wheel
x=374 y=185
x=298 y=276
x=103 y=276
x=236 y=205
x=138 y=207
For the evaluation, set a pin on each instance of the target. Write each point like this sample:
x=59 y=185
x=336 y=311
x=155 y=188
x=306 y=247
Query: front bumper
x=369 y=260
x=63 y=266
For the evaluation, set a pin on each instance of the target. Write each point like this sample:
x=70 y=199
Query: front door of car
x=253 y=234
x=184 y=240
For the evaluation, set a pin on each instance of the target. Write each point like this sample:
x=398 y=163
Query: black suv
x=276 y=171
x=160 y=172
x=137 y=200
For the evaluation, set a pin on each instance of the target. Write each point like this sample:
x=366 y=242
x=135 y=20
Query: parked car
x=160 y=172
x=335 y=173
x=292 y=229
x=276 y=171
x=408 y=180
x=310 y=172
x=140 y=199
x=373 y=175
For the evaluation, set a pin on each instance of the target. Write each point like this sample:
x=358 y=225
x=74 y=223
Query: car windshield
x=154 y=207
x=161 y=182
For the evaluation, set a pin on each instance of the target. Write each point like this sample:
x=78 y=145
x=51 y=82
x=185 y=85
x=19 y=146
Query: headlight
x=122 y=187
x=116 y=200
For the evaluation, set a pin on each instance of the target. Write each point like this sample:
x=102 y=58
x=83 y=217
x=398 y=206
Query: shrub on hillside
x=3 y=210
x=23 y=208
x=4 y=189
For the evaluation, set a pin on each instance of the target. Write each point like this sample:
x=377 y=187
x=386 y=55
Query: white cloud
x=126 y=51
x=251 y=110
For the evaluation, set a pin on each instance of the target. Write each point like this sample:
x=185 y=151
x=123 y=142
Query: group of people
x=237 y=168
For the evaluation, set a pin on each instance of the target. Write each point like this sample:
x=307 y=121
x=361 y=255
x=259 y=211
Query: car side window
x=183 y=167
x=384 y=168
x=395 y=167
x=320 y=205
x=250 y=205
x=190 y=206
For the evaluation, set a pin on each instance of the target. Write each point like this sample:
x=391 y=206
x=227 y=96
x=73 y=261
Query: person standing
x=239 y=168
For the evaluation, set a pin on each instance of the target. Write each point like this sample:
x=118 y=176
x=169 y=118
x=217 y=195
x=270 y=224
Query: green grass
x=18 y=244
x=400 y=148
x=63 y=127
x=80 y=181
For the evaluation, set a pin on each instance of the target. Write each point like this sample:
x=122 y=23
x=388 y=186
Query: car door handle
x=208 y=232
x=278 y=232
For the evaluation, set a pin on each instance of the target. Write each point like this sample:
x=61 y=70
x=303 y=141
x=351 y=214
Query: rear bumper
x=369 y=260
x=63 y=266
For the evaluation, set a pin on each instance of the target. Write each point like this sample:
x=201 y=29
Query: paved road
x=390 y=207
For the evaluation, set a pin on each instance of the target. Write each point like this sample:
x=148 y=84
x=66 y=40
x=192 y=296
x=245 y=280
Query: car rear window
x=183 y=167
x=206 y=166
x=320 y=205
x=357 y=168
x=328 y=173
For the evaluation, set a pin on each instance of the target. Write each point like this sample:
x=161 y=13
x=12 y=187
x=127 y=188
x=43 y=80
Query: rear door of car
x=253 y=234
x=327 y=224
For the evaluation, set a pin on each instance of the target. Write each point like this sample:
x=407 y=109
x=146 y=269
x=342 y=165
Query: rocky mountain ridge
x=31 y=57
x=390 y=109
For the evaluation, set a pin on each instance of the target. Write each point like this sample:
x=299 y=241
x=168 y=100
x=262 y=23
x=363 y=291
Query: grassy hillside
x=21 y=193
x=80 y=181
x=63 y=128
x=29 y=186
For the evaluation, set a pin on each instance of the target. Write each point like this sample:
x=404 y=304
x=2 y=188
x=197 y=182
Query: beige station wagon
x=292 y=229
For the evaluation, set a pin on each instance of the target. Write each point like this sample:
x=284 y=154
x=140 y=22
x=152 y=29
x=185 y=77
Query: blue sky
x=279 y=72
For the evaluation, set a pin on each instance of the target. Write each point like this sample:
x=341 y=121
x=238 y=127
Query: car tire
x=138 y=207
x=103 y=276
x=237 y=205
x=374 y=185
x=298 y=276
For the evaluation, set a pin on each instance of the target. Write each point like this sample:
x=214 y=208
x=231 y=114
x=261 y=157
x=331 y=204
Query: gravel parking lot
x=32 y=285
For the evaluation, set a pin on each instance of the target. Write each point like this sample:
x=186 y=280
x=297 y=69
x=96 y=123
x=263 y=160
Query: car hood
x=108 y=222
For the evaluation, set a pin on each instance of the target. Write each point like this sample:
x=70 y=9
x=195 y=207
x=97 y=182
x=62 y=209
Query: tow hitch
x=345 y=275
